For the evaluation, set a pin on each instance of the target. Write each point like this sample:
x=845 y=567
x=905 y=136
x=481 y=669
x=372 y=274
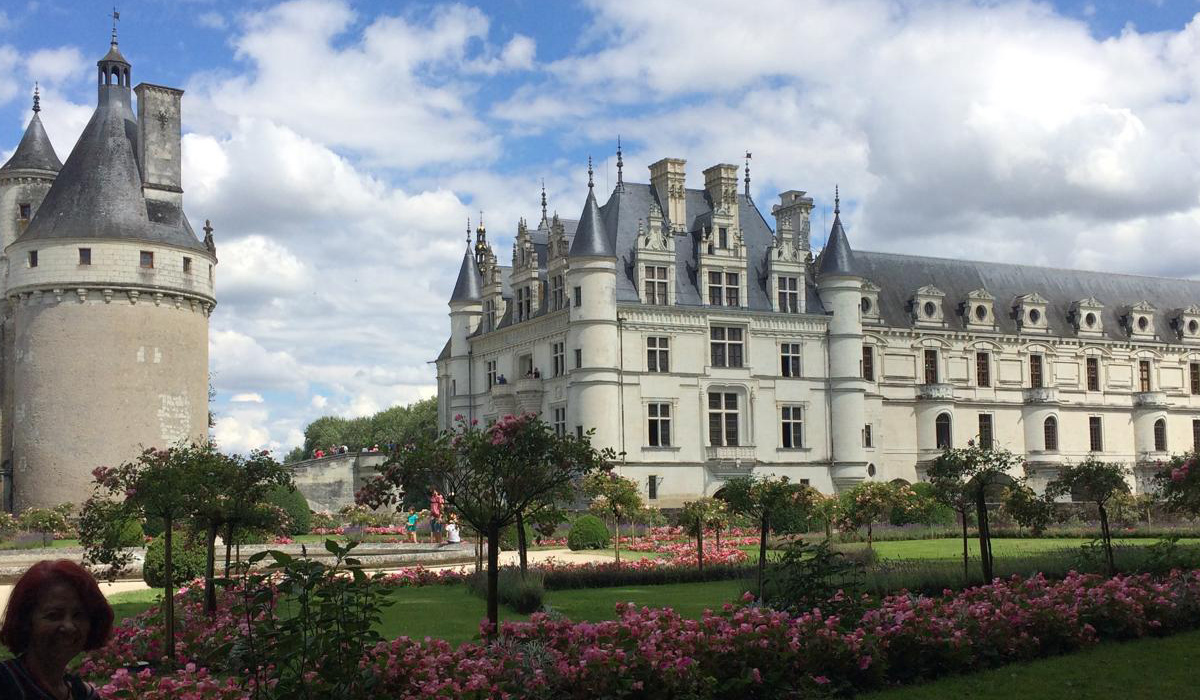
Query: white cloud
x=246 y=398
x=211 y=20
x=57 y=65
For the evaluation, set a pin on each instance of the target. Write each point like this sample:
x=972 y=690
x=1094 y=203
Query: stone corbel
x=83 y=295
x=133 y=296
x=158 y=297
x=108 y=295
x=58 y=295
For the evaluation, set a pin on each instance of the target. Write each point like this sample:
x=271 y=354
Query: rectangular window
x=33 y=258
x=983 y=369
x=560 y=421
x=658 y=354
x=656 y=284
x=578 y=358
x=723 y=237
x=1144 y=375
x=187 y=265
x=25 y=211
x=578 y=297
x=726 y=346
x=868 y=363
x=652 y=487
x=789 y=295
x=1096 y=434
x=658 y=432
x=931 y=367
x=868 y=439
x=579 y=431
x=723 y=289
x=556 y=292
x=1093 y=374
x=1194 y=375
x=523 y=303
x=147 y=259
x=491 y=373
x=789 y=359
x=792 y=419
x=1195 y=435
x=1035 y=371
x=722 y=419
x=985 y=431
x=85 y=256
x=489 y=315
x=558 y=359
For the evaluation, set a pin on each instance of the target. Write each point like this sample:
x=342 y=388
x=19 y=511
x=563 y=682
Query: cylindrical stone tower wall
x=594 y=399
x=842 y=296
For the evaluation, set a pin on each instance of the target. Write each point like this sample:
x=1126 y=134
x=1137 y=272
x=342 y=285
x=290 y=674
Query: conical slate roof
x=34 y=152
x=837 y=258
x=98 y=192
x=469 y=285
x=591 y=236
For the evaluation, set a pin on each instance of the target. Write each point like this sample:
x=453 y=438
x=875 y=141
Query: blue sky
x=339 y=147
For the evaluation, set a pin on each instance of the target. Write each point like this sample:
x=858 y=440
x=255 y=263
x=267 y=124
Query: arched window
x=1050 y=432
x=942 y=431
x=1160 y=435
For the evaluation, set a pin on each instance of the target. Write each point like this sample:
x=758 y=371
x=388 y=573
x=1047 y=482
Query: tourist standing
x=437 y=505
x=410 y=526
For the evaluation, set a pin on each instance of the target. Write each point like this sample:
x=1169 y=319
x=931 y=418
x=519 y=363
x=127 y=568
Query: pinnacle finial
x=620 y=166
x=37 y=98
x=543 y=199
x=115 y=16
x=748 y=157
x=468 y=232
x=481 y=229
x=837 y=201
x=590 y=183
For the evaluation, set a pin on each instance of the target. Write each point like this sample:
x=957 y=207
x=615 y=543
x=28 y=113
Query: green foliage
x=1097 y=482
x=521 y=592
x=399 y=425
x=44 y=521
x=324 y=520
x=1027 y=508
x=1179 y=484
x=701 y=514
x=508 y=536
x=546 y=520
x=8 y=524
x=588 y=532
x=295 y=505
x=809 y=576
x=304 y=615
x=921 y=506
x=650 y=516
x=362 y=516
x=770 y=502
x=871 y=502
x=188 y=558
x=612 y=576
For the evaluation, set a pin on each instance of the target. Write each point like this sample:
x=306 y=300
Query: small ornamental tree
x=44 y=521
x=1098 y=482
x=768 y=500
x=978 y=472
x=489 y=475
x=870 y=502
x=1027 y=508
x=697 y=515
x=1178 y=485
x=612 y=495
x=954 y=494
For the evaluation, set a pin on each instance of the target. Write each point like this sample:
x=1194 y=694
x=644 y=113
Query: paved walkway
x=506 y=558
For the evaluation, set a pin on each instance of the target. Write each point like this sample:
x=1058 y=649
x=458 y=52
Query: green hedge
x=188 y=558
x=521 y=593
x=296 y=506
x=588 y=532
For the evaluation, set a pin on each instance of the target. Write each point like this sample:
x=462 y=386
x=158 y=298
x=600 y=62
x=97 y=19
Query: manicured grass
x=448 y=612
x=688 y=599
x=1147 y=668
x=132 y=603
x=627 y=555
x=952 y=548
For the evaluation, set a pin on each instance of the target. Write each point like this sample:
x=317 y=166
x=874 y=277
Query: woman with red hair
x=55 y=612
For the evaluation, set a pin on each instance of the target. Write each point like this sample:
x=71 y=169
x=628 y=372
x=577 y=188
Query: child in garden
x=411 y=526
x=452 y=536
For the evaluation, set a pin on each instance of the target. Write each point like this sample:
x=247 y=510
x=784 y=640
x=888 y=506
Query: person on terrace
x=55 y=612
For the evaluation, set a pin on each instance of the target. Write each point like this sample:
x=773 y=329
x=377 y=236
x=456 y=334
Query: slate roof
x=591 y=238
x=35 y=151
x=98 y=192
x=837 y=258
x=899 y=276
x=469 y=284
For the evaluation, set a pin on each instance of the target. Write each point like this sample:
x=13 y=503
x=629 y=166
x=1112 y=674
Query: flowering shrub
x=1179 y=484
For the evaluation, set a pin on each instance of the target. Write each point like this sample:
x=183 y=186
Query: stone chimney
x=792 y=216
x=720 y=182
x=667 y=178
x=159 y=133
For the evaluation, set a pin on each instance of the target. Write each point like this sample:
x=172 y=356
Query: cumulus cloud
x=57 y=65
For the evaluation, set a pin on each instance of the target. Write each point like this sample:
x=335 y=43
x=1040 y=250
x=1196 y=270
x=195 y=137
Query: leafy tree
x=827 y=509
x=869 y=502
x=612 y=495
x=1098 y=482
x=953 y=493
x=699 y=514
x=767 y=500
x=44 y=521
x=398 y=425
x=1027 y=508
x=919 y=505
x=1178 y=484
x=980 y=471
x=489 y=475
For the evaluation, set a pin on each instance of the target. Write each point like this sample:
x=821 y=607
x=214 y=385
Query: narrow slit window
x=187 y=265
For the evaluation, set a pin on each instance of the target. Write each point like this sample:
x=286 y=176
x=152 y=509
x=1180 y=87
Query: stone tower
x=466 y=311
x=109 y=293
x=840 y=285
x=592 y=339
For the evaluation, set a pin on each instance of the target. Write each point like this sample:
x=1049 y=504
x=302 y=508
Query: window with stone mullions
x=868 y=363
x=1095 y=434
x=523 y=303
x=1194 y=375
x=489 y=313
x=559 y=358
x=792 y=419
x=1195 y=435
x=789 y=359
x=557 y=296
x=722 y=419
x=983 y=369
x=789 y=295
x=1093 y=374
x=723 y=289
x=986 y=432
x=1144 y=375
x=656 y=284
x=658 y=354
x=560 y=421
x=1036 y=379
x=491 y=373
x=658 y=433
x=726 y=346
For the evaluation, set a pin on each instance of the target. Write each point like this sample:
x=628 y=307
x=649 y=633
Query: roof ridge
x=1022 y=265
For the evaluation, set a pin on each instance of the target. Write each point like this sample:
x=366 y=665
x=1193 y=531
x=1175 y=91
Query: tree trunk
x=522 y=545
x=870 y=538
x=493 y=580
x=985 y=542
x=700 y=549
x=228 y=546
x=169 y=590
x=718 y=530
x=762 y=551
x=617 y=542
x=966 y=556
x=210 y=566
x=1107 y=537
x=828 y=529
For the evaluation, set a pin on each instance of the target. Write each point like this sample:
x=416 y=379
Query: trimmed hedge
x=292 y=502
x=588 y=532
x=188 y=558
x=608 y=575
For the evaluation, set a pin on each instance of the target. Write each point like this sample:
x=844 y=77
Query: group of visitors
x=442 y=524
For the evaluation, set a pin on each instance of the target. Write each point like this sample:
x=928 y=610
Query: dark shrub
x=296 y=506
x=188 y=558
x=521 y=593
x=508 y=537
x=130 y=534
x=588 y=532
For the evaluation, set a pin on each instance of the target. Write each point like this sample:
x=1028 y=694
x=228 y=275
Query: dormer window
x=978 y=310
x=1030 y=313
x=927 y=306
x=1139 y=321
x=868 y=306
x=1087 y=317
x=1187 y=324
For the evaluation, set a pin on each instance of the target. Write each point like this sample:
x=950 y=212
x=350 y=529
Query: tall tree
x=1098 y=482
x=489 y=475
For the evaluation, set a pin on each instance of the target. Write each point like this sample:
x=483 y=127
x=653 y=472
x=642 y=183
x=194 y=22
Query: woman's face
x=60 y=624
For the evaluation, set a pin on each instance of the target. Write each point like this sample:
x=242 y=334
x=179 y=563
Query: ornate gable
x=1029 y=311
x=979 y=310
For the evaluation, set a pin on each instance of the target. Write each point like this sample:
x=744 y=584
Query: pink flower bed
x=741 y=650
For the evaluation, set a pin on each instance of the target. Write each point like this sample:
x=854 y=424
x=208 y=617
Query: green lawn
x=952 y=548
x=1147 y=668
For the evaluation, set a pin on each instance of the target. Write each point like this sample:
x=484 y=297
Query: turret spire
x=590 y=172
x=837 y=259
x=837 y=201
x=115 y=16
x=620 y=167
x=748 y=155
x=543 y=199
x=37 y=98
x=468 y=232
